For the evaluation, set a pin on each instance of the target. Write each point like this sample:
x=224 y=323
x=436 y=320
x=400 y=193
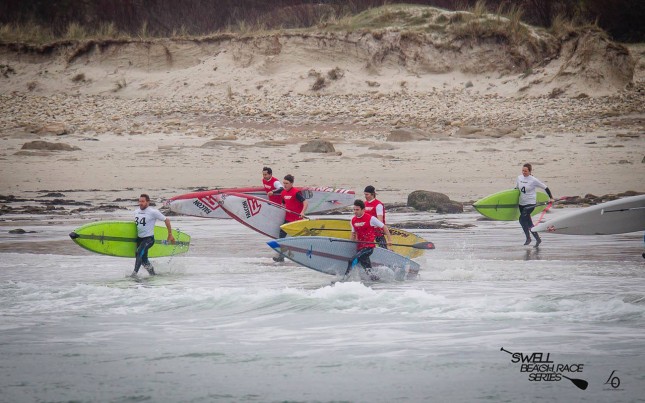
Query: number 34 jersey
x=146 y=219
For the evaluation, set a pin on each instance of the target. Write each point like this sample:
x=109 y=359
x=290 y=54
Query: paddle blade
x=580 y=383
x=423 y=245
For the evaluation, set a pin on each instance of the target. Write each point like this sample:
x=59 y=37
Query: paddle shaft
x=420 y=245
x=515 y=205
x=559 y=199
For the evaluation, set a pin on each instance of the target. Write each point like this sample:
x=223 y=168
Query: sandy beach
x=170 y=116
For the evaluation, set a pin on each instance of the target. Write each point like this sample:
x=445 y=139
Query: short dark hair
x=527 y=165
x=359 y=203
x=289 y=178
x=145 y=196
x=269 y=170
x=370 y=189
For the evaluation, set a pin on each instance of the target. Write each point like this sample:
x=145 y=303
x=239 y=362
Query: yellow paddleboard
x=338 y=228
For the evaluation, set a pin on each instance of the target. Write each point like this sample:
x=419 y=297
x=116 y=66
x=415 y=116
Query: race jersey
x=271 y=185
x=293 y=201
x=364 y=227
x=146 y=219
x=527 y=185
x=375 y=208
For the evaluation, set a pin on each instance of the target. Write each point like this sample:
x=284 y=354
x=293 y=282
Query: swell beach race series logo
x=540 y=368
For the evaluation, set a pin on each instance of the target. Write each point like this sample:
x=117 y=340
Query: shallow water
x=226 y=323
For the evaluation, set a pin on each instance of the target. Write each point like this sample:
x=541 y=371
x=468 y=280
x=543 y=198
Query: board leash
x=174 y=249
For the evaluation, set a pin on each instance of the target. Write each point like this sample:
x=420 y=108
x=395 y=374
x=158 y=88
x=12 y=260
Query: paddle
x=548 y=207
x=420 y=245
x=603 y=211
x=559 y=199
x=515 y=205
x=580 y=383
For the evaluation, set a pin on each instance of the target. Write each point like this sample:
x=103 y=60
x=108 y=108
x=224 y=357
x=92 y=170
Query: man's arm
x=305 y=204
x=170 y=237
x=388 y=236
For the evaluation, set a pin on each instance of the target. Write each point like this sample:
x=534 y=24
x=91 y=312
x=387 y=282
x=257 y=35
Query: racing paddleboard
x=118 y=238
x=204 y=204
x=259 y=214
x=339 y=228
x=331 y=255
x=503 y=206
x=614 y=217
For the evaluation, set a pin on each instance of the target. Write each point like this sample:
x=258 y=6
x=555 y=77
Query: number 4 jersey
x=527 y=185
x=146 y=219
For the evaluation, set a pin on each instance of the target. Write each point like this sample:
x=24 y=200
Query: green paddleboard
x=503 y=206
x=118 y=238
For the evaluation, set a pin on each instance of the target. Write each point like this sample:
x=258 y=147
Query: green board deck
x=118 y=238
x=503 y=206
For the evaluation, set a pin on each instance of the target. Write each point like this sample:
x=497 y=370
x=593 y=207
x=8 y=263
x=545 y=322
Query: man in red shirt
x=272 y=185
x=363 y=226
x=295 y=203
x=374 y=207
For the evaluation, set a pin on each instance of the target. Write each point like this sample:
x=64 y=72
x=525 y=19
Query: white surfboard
x=614 y=217
x=204 y=203
x=331 y=255
x=258 y=214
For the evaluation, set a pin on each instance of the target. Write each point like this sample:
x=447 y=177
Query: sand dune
x=169 y=115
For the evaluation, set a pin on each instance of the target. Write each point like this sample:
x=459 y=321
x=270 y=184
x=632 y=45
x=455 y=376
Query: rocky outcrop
x=401 y=135
x=317 y=146
x=425 y=200
x=47 y=146
x=472 y=132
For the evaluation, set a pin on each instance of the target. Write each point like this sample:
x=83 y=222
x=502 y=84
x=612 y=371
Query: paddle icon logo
x=540 y=368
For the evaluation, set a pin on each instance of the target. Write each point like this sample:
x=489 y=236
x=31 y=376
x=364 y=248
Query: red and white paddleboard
x=204 y=204
x=256 y=213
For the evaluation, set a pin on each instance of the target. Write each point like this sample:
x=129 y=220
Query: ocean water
x=226 y=323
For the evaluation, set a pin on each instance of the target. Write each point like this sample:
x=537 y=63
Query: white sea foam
x=219 y=322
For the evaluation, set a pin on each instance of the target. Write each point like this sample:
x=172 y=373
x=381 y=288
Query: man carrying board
x=295 y=203
x=272 y=185
x=145 y=218
x=374 y=207
x=363 y=232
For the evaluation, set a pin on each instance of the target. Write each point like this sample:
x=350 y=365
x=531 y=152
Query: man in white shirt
x=527 y=183
x=145 y=218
